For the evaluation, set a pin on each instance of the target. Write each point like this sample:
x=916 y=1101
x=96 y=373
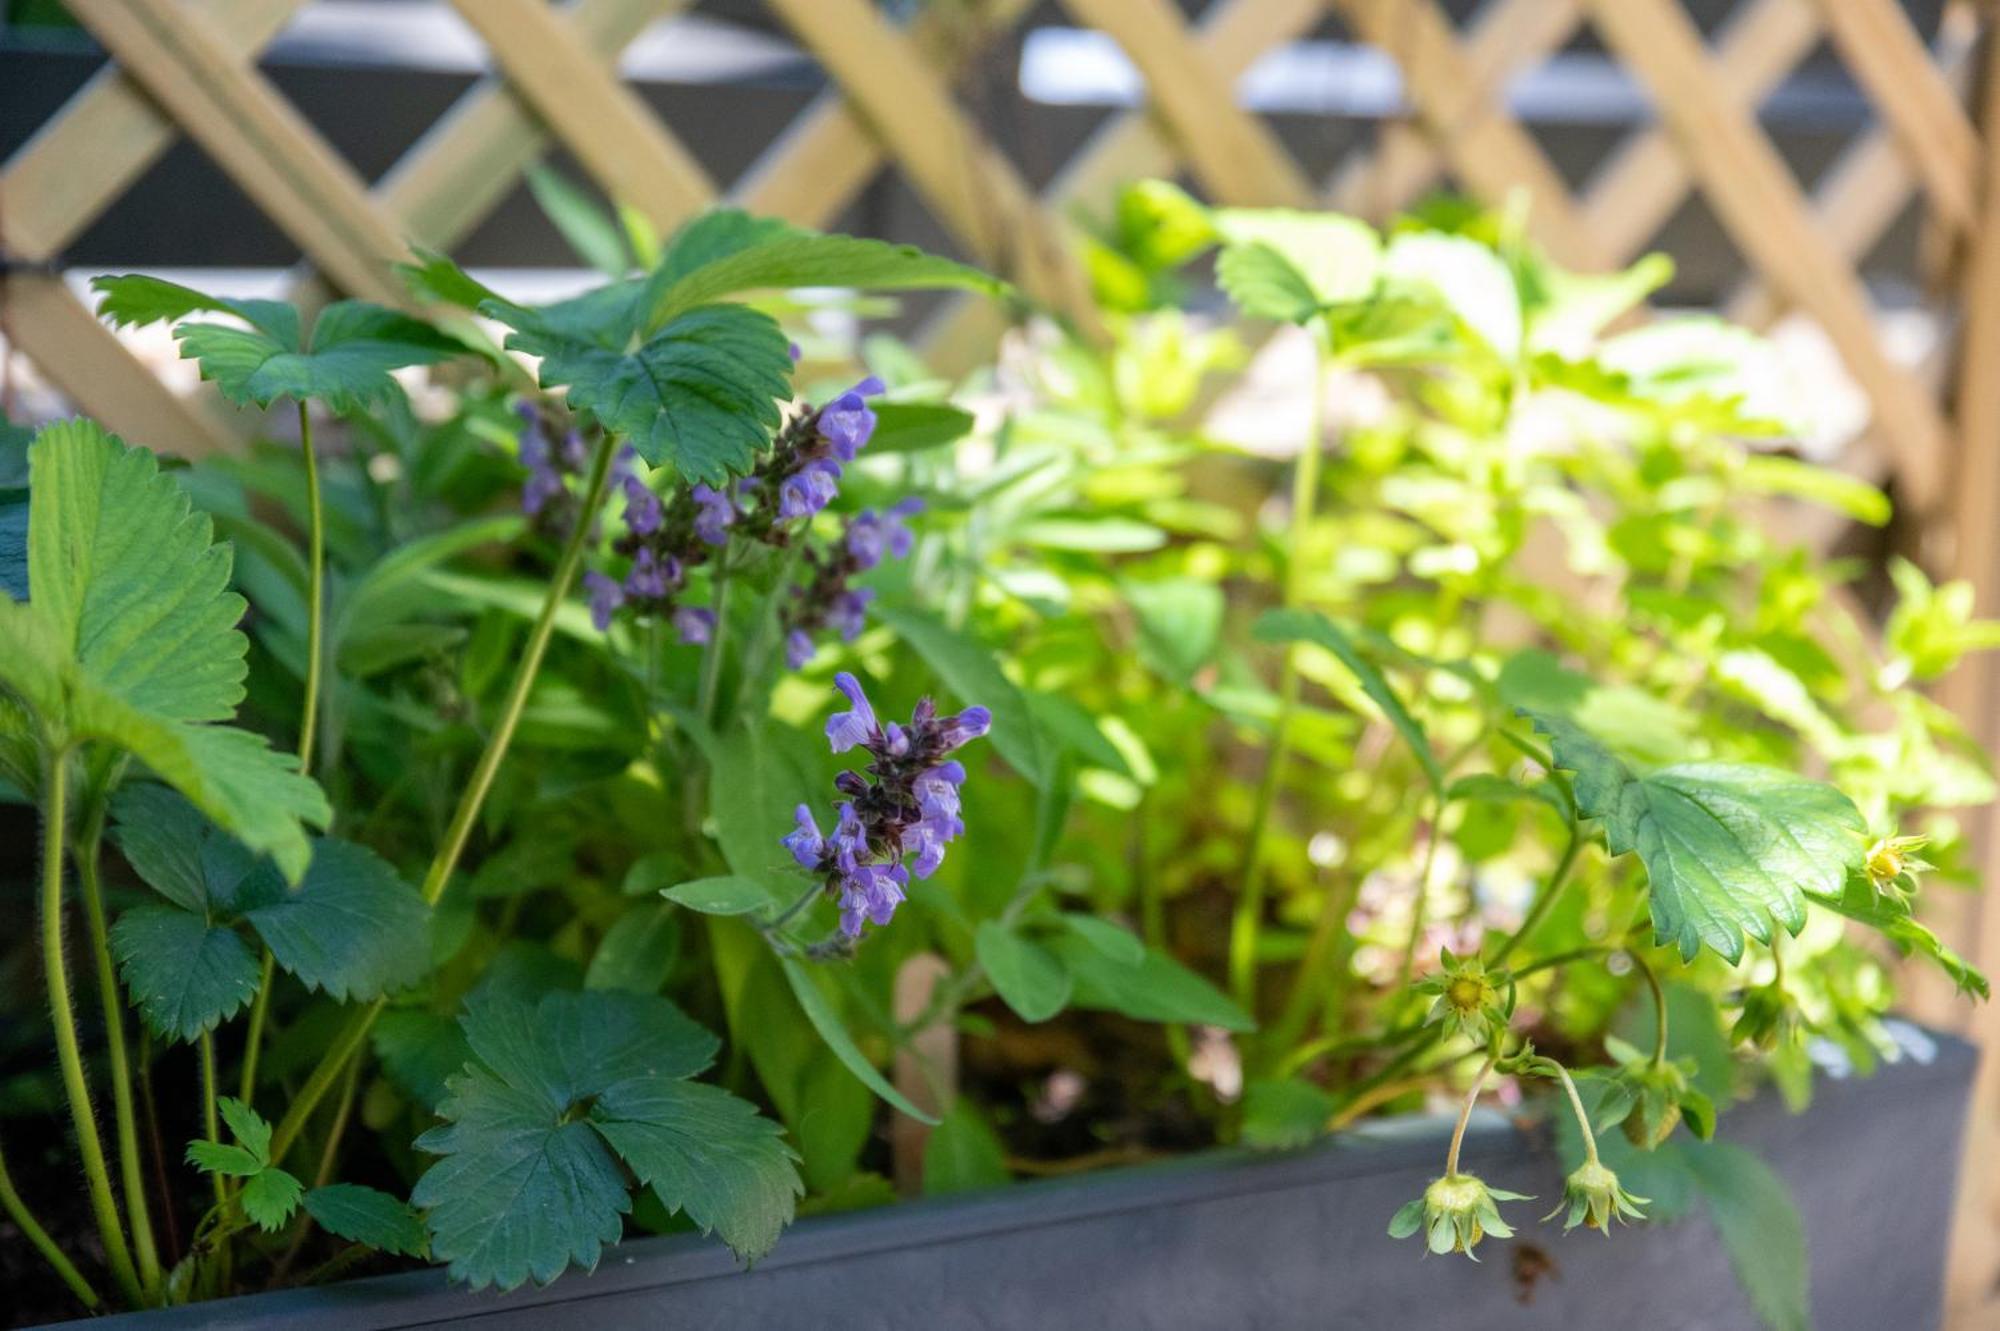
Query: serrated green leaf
x=725 y=895
x=794 y=258
x=1891 y=917
x=528 y=1182
x=248 y=1127
x=1281 y=264
x=1027 y=977
x=715 y=234
x=834 y=1033
x=1158 y=988
x=185 y=974
x=345 y=363
x=435 y=277
x=130 y=638
x=1728 y=847
x=700 y=395
x=1309 y=626
x=1466 y=278
x=963 y=1153
x=128 y=574
x=706 y=1153
x=368 y=1216
x=352 y=927
x=222 y=1158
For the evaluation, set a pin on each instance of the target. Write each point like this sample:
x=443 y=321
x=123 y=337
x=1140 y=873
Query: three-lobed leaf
x=368 y=1216
x=561 y=1098
x=1728 y=847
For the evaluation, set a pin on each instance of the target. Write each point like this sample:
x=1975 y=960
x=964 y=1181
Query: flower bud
x=1455 y=1213
x=1595 y=1198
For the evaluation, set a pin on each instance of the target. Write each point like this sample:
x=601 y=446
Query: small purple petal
x=847 y=423
x=643 y=512
x=806 y=844
x=799 y=649
x=967 y=726
x=694 y=625
x=846 y=730
x=713 y=515
x=605 y=598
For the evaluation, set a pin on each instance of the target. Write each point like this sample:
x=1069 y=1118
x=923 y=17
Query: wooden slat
x=1490 y=154
x=85 y=360
x=453 y=177
x=1506 y=37
x=1759 y=202
x=1636 y=190
x=1973 y=692
x=1856 y=202
x=1234 y=154
x=963 y=179
x=827 y=155
x=256 y=136
x=613 y=134
x=103 y=139
x=1129 y=146
x=1920 y=108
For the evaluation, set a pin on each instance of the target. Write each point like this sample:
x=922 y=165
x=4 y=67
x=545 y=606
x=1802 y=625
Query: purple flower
x=846 y=422
x=543 y=484
x=575 y=451
x=643 y=512
x=962 y=729
x=848 y=613
x=937 y=791
x=799 y=649
x=806 y=845
x=849 y=841
x=651 y=577
x=809 y=489
x=846 y=730
x=713 y=515
x=605 y=598
x=694 y=624
x=873 y=534
x=871 y=892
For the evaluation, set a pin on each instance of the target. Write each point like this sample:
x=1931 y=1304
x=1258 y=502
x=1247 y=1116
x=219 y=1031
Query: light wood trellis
x=189 y=67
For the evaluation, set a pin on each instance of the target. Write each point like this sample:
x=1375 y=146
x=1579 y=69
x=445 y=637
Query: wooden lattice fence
x=189 y=68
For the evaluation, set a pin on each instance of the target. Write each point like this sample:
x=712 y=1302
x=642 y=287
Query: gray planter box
x=1236 y=1240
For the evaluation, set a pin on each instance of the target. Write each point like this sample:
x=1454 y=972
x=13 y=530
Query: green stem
x=315 y=591
x=1659 y=1007
x=24 y=1220
x=1546 y=901
x=131 y=1174
x=1420 y=908
x=253 y=1038
x=711 y=658
x=1248 y=919
x=1465 y=1117
x=1314 y=975
x=1576 y=1104
x=481 y=783
x=209 y=1123
x=352 y=1036
x=103 y=1205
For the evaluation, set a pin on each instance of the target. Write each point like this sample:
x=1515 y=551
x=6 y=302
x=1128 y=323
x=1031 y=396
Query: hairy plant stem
x=1420 y=907
x=350 y=1038
x=1576 y=1105
x=209 y=1123
x=24 y=1220
x=1539 y=910
x=1659 y=1007
x=1465 y=1116
x=253 y=1036
x=90 y=834
x=103 y=1205
x=1247 y=922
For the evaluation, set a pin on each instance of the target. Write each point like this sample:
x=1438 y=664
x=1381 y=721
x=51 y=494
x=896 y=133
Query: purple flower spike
x=694 y=624
x=850 y=839
x=850 y=729
x=847 y=423
x=605 y=598
x=713 y=515
x=651 y=578
x=849 y=612
x=806 y=844
x=643 y=512
x=799 y=649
